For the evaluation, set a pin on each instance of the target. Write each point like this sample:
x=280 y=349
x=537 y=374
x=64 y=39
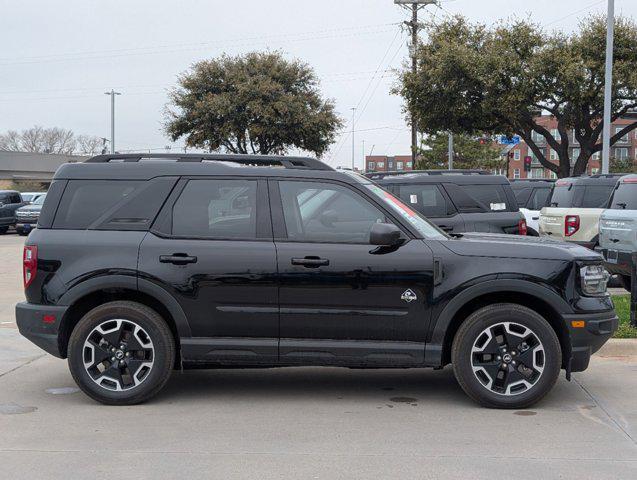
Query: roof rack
x=427 y=172
x=301 y=163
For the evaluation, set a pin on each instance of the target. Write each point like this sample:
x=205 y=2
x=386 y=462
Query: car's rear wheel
x=626 y=282
x=121 y=353
x=3 y=230
x=506 y=356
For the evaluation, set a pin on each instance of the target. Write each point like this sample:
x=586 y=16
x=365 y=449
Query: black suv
x=10 y=201
x=458 y=200
x=142 y=265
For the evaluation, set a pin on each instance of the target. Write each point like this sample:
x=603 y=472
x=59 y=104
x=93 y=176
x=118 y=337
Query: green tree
x=468 y=151
x=472 y=78
x=625 y=165
x=258 y=103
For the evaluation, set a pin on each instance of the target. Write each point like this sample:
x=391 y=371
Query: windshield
x=40 y=200
x=415 y=219
x=625 y=197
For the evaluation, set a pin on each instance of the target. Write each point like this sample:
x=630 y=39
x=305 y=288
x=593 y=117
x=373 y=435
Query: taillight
x=571 y=225
x=522 y=230
x=29 y=264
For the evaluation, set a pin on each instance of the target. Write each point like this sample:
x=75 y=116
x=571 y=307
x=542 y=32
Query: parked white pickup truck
x=618 y=229
x=573 y=211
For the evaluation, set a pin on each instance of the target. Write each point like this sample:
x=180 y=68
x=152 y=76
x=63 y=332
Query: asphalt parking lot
x=321 y=423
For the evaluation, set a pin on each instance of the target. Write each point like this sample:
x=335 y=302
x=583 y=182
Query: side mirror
x=384 y=235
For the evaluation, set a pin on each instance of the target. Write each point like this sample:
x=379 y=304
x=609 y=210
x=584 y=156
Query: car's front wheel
x=506 y=356
x=121 y=353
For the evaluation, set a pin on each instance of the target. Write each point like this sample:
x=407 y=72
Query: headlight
x=594 y=279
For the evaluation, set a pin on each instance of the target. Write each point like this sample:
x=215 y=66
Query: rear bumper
x=44 y=332
x=621 y=265
x=598 y=329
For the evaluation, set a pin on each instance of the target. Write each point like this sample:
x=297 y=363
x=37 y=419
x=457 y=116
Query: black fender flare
x=133 y=283
x=441 y=324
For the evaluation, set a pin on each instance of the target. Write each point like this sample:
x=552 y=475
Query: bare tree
x=40 y=140
x=89 y=145
x=10 y=141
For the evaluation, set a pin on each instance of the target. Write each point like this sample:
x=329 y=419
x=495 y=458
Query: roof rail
x=427 y=172
x=301 y=163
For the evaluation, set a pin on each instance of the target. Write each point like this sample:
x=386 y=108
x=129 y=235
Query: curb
x=618 y=347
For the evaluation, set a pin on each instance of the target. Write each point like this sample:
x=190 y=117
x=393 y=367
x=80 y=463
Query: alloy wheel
x=507 y=358
x=118 y=355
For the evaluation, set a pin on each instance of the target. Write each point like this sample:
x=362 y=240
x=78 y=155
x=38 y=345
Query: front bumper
x=41 y=325
x=621 y=265
x=585 y=341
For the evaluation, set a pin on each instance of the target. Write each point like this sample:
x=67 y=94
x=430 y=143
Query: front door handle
x=311 y=262
x=178 y=259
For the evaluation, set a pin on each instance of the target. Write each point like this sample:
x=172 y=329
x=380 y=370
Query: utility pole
x=112 y=93
x=413 y=26
x=608 y=86
x=364 y=159
x=450 y=152
x=353 y=139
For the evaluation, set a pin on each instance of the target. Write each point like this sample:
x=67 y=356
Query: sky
x=57 y=58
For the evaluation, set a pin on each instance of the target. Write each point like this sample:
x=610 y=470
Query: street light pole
x=112 y=93
x=450 y=152
x=608 y=86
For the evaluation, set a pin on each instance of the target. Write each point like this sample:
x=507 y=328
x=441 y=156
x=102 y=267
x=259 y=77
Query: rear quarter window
x=85 y=201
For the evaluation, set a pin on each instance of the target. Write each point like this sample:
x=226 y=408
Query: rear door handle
x=311 y=262
x=445 y=228
x=178 y=259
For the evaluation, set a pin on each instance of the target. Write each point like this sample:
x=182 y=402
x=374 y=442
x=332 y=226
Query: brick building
x=384 y=163
x=626 y=148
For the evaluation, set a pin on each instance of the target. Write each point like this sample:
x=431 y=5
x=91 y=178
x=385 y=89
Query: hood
x=30 y=208
x=517 y=246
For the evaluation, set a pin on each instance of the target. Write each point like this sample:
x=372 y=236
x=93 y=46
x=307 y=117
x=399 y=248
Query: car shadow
x=318 y=384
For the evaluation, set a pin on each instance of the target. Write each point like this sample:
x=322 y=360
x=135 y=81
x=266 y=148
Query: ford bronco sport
x=574 y=208
x=458 y=200
x=142 y=265
x=618 y=229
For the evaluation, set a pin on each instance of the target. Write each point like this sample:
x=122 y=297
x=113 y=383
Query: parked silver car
x=618 y=229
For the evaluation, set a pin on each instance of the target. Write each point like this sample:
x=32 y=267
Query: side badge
x=408 y=296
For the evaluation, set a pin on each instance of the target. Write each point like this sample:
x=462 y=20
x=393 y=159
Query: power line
x=575 y=13
x=141 y=51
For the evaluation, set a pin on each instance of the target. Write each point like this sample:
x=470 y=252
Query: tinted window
x=596 y=196
x=539 y=198
x=322 y=212
x=563 y=196
x=216 y=209
x=427 y=199
x=490 y=197
x=84 y=201
x=15 y=198
x=625 y=197
x=522 y=196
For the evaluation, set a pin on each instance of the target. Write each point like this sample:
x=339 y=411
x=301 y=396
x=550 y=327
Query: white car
x=532 y=195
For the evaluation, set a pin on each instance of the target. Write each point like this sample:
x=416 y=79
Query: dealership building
x=16 y=167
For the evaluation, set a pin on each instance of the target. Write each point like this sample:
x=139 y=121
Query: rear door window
x=625 y=197
x=427 y=199
x=491 y=198
x=85 y=201
x=219 y=209
x=522 y=196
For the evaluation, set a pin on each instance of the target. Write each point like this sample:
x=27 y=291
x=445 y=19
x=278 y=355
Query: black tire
x=472 y=332
x=134 y=315
x=21 y=232
x=3 y=230
x=626 y=282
